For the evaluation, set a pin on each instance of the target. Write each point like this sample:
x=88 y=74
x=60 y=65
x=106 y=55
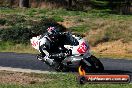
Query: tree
x=121 y=6
x=11 y=2
x=69 y=3
x=24 y=3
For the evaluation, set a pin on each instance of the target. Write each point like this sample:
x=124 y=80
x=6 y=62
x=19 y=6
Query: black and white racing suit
x=51 y=50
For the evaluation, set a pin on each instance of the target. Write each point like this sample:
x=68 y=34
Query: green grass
x=80 y=28
x=22 y=48
x=36 y=12
x=19 y=48
x=65 y=84
x=68 y=80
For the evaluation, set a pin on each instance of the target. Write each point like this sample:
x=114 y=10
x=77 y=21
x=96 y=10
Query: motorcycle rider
x=52 y=51
x=52 y=48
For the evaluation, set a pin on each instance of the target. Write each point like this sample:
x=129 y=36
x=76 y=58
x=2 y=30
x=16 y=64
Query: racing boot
x=45 y=59
x=40 y=57
x=49 y=61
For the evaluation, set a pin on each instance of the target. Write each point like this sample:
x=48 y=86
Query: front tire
x=85 y=67
x=96 y=65
x=99 y=66
x=81 y=80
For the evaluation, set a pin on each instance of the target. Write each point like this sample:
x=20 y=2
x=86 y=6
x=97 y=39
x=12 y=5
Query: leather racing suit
x=50 y=50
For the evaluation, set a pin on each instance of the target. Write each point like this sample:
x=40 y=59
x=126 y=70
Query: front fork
x=88 y=65
x=87 y=59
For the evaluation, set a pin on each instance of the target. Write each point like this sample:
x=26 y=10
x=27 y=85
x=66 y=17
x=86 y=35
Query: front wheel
x=95 y=64
x=98 y=65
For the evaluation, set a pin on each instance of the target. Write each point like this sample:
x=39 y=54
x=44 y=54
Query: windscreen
x=70 y=40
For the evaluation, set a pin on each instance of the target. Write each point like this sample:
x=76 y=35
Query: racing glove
x=59 y=55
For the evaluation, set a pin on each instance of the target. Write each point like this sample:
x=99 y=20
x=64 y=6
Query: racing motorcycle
x=80 y=55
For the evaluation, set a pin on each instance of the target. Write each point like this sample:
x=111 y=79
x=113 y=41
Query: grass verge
x=114 y=56
x=22 y=48
x=34 y=80
x=18 y=48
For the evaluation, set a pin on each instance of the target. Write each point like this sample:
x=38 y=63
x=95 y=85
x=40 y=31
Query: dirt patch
x=67 y=24
x=7 y=77
x=115 y=47
x=71 y=21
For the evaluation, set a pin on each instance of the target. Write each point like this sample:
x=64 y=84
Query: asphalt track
x=29 y=61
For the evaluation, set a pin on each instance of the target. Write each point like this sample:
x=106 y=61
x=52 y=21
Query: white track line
x=24 y=70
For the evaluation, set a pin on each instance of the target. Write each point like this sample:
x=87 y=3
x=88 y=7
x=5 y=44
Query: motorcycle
x=80 y=55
